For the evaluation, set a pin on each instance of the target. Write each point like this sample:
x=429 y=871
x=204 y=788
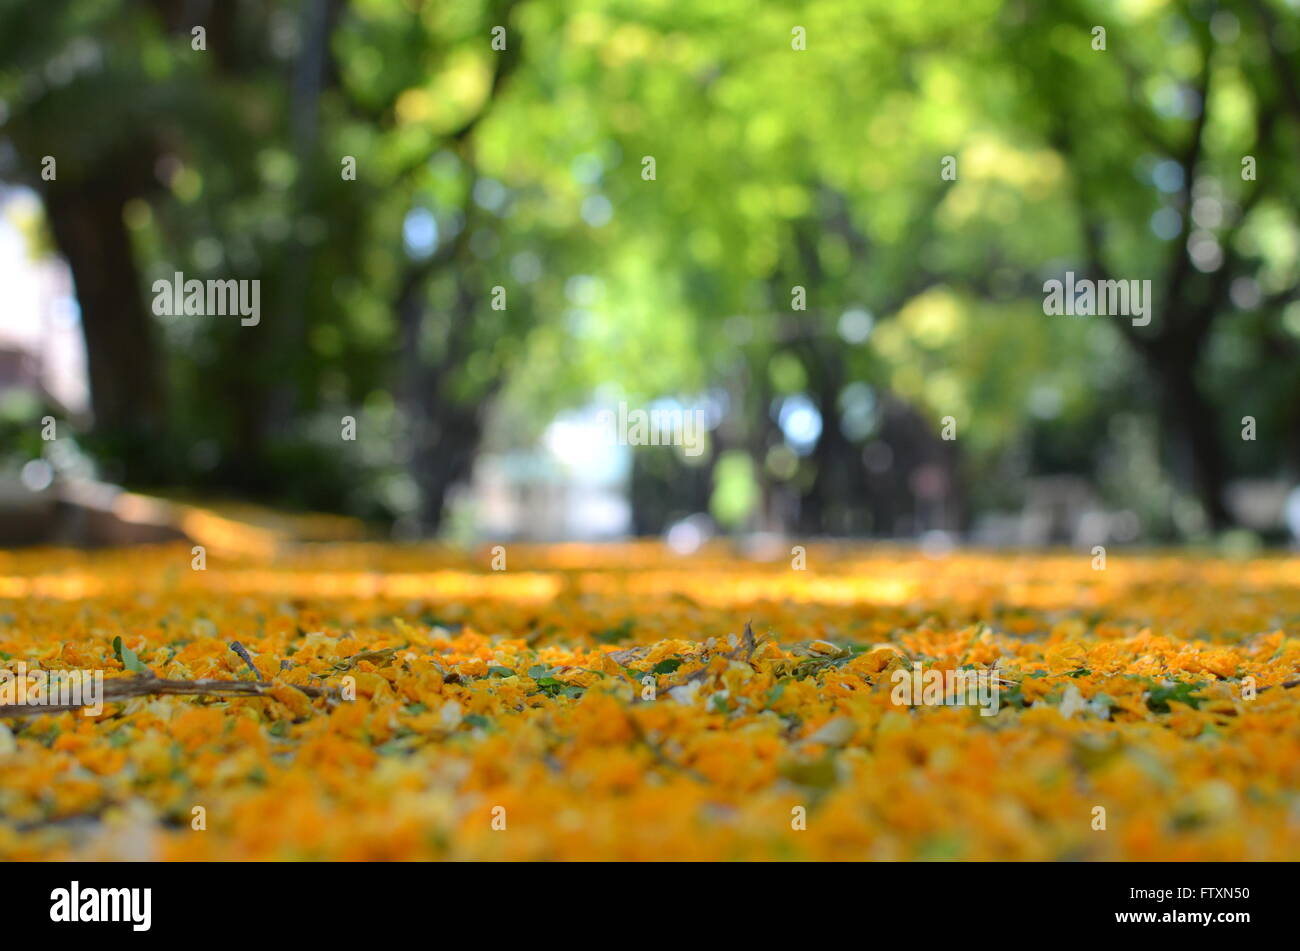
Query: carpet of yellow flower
x=604 y=703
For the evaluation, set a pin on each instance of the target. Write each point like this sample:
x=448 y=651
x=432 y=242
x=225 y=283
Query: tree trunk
x=1190 y=419
x=121 y=351
x=443 y=456
x=835 y=496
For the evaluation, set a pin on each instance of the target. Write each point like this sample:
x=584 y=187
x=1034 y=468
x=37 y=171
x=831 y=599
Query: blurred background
x=775 y=167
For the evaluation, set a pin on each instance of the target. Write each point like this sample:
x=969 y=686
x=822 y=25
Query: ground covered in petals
x=609 y=703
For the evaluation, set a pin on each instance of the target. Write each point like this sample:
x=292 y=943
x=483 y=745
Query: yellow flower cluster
x=622 y=702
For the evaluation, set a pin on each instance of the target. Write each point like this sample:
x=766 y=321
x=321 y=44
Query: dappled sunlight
x=1221 y=593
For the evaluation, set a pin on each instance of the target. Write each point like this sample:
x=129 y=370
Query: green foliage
x=775 y=167
x=127 y=658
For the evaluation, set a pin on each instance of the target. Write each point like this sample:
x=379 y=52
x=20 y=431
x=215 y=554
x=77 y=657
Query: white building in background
x=41 y=347
x=572 y=486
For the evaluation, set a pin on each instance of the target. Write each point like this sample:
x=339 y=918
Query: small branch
x=126 y=688
x=1285 y=686
x=242 y=651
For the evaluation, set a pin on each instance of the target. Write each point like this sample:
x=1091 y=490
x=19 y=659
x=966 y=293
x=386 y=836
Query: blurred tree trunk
x=121 y=352
x=443 y=457
x=1190 y=418
x=445 y=429
x=1190 y=303
x=836 y=494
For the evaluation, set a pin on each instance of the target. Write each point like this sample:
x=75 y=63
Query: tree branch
x=126 y=688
